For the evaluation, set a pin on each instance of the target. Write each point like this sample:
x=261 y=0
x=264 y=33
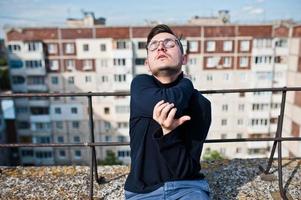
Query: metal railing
x=278 y=139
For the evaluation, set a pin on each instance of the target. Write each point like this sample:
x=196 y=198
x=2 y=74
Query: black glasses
x=167 y=43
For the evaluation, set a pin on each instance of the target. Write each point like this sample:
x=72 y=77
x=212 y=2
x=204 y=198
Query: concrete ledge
x=228 y=179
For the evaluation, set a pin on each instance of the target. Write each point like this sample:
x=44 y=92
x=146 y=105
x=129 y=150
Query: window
x=210 y=46
x=76 y=139
x=223 y=136
x=77 y=154
x=104 y=79
x=15 y=64
x=54 y=64
x=85 y=47
x=263 y=43
x=43 y=154
x=192 y=61
x=240 y=122
x=103 y=47
x=70 y=64
x=244 y=45
x=108 y=138
x=18 y=79
x=74 y=110
x=119 y=62
x=120 y=78
x=39 y=110
x=225 y=107
x=35 y=80
x=59 y=125
x=71 y=80
x=75 y=124
x=41 y=126
x=54 y=80
x=209 y=77
x=212 y=61
x=224 y=122
x=33 y=46
x=141 y=45
x=139 y=61
x=88 y=79
x=238 y=150
x=123 y=124
x=87 y=64
x=227 y=62
x=27 y=153
x=281 y=43
x=238 y=135
x=62 y=153
x=193 y=46
x=69 y=48
x=33 y=63
x=57 y=110
x=228 y=45
x=104 y=62
x=52 y=48
x=20 y=110
x=14 y=48
x=241 y=107
x=243 y=61
x=23 y=125
x=107 y=110
x=121 y=45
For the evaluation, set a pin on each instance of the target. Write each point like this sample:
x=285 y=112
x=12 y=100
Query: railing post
x=282 y=192
x=91 y=126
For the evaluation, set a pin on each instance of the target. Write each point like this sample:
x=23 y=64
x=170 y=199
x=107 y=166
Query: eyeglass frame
x=177 y=41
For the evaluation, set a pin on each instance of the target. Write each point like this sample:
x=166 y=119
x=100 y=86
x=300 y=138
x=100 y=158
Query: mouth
x=161 y=56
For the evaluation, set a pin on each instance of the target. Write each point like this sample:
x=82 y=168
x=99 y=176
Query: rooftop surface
x=228 y=179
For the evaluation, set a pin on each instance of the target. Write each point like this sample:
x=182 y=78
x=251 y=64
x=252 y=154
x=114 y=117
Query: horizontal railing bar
x=127 y=93
x=88 y=144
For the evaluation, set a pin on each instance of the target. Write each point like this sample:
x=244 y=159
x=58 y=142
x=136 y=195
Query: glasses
x=167 y=43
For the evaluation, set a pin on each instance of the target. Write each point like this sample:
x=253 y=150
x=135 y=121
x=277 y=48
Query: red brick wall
x=74 y=33
x=281 y=31
x=140 y=32
x=295 y=129
x=33 y=34
x=219 y=31
x=297 y=99
x=113 y=32
x=297 y=31
x=187 y=31
x=255 y=31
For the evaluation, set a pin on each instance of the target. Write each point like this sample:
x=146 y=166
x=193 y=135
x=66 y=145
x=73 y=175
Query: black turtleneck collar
x=166 y=85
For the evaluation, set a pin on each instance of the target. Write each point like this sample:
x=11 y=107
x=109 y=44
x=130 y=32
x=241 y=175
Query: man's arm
x=181 y=147
x=145 y=94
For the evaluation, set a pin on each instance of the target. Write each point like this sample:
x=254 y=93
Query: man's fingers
x=158 y=104
x=165 y=111
x=157 y=110
x=171 y=116
x=182 y=119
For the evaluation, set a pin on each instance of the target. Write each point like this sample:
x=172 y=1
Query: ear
x=184 y=59
x=147 y=65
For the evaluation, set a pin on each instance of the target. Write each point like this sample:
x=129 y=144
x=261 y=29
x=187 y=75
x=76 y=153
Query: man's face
x=165 y=60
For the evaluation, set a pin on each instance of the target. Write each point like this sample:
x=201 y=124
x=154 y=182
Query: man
x=169 y=122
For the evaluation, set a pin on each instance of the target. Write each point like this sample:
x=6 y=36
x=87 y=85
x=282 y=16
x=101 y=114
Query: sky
x=138 y=12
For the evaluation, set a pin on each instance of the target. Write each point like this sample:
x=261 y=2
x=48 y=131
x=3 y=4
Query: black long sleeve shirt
x=157 y=158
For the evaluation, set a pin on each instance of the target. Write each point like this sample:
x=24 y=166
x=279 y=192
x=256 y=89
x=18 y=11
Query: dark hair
x=162 y=28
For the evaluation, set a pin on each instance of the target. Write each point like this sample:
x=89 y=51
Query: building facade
x=105 y=59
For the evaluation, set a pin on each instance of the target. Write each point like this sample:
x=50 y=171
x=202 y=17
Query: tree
x=4 y=79
x=212 y=155
x=110 y=159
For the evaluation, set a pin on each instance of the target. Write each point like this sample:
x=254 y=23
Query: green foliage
x=212 y=155
x=110 y=159
x=3 y=62
x=4 y=79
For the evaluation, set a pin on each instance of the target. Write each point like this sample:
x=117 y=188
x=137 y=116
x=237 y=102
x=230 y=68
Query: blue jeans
x=182 y=190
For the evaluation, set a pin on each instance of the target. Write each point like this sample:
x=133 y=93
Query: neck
x=168 y=79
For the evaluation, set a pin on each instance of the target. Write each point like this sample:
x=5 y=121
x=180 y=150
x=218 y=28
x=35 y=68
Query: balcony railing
x=278 y=139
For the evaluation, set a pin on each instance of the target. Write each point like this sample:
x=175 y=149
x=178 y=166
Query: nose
x=161 y=46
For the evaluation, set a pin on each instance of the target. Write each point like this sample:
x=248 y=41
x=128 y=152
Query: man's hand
x=164 y=114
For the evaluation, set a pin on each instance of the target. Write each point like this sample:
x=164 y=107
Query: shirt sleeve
x=146 y=93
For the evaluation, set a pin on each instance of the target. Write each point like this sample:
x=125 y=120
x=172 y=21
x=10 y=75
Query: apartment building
x=105 y=59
